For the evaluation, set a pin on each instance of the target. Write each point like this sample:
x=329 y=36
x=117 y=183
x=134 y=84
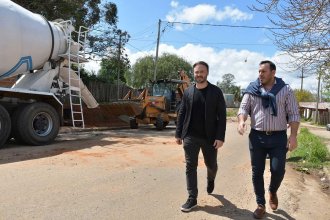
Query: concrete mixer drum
x=41 y=53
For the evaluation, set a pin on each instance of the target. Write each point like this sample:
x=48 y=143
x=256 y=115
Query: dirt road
x=139 y=174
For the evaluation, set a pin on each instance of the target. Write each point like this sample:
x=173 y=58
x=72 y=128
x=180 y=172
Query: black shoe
x=189 y=205
x=210 y=186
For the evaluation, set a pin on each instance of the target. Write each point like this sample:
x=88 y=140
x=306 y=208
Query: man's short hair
x=271 y=64
x=202 y=63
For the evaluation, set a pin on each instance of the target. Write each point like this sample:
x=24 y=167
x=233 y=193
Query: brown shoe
x=259 y=212
x=273 y=200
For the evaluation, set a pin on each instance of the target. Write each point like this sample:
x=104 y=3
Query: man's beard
x=200 y=79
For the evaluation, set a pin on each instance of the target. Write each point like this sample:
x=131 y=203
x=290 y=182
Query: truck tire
x=5 y=125
x=37 y=124
x=14 y=125
x=159 y=123
x=133 y=124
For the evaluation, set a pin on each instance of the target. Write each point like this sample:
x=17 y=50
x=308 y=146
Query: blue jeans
x=192 y=146
x=275 y=146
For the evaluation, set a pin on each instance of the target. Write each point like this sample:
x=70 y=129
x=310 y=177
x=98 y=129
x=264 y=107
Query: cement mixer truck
x=40 y=54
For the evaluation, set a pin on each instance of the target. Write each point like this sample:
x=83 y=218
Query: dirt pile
x=111 y=115
x=8 y=82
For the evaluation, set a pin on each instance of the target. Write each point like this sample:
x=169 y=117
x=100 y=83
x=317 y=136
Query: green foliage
x=326 y=84
x=110 y=68
x=311 y=151
x=85 y=75
x=168 y=66
x=326 y=96
x=304 y=95
x=141 y=73
x=99 y=16
x=227 y=85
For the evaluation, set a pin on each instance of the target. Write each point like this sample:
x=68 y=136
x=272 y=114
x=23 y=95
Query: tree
x=168 y=66
x=303 y=29
x=100 y=17
x=326 y=84
x=303 y=95
x=110 y=68
x=227 y=85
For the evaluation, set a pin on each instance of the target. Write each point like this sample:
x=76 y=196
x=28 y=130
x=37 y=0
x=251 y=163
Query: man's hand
x=178 y=141
x=217 y=144
x=292 y=143
x=241 y=127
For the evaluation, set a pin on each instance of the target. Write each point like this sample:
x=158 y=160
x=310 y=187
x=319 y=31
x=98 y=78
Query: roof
x=312 y=105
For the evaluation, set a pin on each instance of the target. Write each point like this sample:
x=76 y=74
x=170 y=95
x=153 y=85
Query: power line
x=225 y=25
x=219 y=43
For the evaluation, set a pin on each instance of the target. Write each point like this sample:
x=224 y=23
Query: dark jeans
x=191 y=146
x=275 y=146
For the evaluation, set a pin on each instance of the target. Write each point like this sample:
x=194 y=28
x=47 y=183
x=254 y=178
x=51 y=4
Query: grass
x=311 y=152
x=232 y=112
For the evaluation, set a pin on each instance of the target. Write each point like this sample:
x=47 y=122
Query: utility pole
x=119 y=53
x=156 y=59
x=318 y=97
x=302 y=78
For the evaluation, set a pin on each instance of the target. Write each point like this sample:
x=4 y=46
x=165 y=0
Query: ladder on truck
x=76 y=55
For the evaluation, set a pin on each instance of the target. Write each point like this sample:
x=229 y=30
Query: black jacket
x=215 y=114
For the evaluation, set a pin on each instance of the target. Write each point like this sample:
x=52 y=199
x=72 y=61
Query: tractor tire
x=37 y=124
x=133 y=124
x=159 y=123
x=5 y=125
x=165 y=124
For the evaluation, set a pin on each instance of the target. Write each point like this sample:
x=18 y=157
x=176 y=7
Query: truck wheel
x=159 y=123
x=5 y=125
x=37 y=124
x=133 y=124
x=14 y=125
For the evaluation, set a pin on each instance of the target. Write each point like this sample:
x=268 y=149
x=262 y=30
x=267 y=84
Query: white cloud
x=233 y=14
x=92 y=66
x=205 y=12
x=174 y=4
x=243 y=64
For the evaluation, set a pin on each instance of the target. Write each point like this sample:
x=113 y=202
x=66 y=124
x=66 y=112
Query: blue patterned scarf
x=268 y=98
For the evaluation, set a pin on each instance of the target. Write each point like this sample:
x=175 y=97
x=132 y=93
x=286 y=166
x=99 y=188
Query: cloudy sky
x=226 y=34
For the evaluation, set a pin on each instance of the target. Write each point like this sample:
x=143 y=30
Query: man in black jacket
x=201 y=125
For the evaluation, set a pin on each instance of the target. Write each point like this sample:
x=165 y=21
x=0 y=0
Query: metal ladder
x=77 y=55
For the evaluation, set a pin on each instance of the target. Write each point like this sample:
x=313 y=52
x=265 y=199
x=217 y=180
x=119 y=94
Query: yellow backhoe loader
x=160 y=104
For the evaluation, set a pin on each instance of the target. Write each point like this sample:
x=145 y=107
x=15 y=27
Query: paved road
x=138 y=174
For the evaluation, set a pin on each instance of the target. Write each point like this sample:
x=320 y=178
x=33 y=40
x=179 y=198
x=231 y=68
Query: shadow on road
x=14 y=152
x=230 y=210
x=67 y=142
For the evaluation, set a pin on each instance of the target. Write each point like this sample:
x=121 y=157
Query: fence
x=105 y=92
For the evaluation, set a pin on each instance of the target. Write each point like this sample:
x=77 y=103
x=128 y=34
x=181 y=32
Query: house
x=308 y=110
